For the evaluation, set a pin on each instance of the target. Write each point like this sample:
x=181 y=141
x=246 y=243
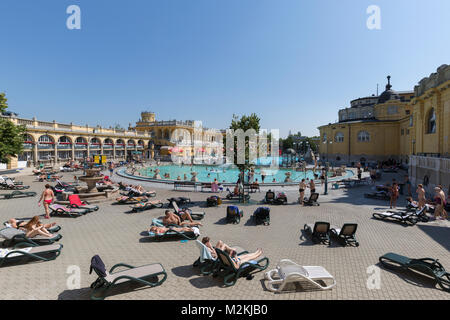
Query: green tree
x=288 y=143
x=245 y=123
x=11 y=136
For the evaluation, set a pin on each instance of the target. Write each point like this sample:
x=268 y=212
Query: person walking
x=47 y=198
x=301 y=190
x=394 y=195
x=111 y=169
x=439 y=199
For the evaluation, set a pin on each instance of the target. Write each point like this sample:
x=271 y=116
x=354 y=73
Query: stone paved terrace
x=115 y=236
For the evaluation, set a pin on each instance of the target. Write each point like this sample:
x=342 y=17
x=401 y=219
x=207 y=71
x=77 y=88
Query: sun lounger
x=146 y=275
x=404 y=217
x=262 y=215
x=346 y=234
x=270 y=197
x=18 y=194
x=312 y=201
x=320 y=232
x=288 y=272
x=53 y=229
x=379 y=195
x=234 y=215
x=194 y=215
x=44 y=253
x=179 y=201
x=425 y=266
x=131 y=200
x=10 y=185
x=231 y=274
x=146 y=206
x=14 y=236
x=75 y=202
x=206 y=262
x=173 y=234
x=59 y=210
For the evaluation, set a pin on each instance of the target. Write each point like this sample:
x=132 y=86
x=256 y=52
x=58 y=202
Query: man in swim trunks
x=172 y=218
x=162 y=230
x=47 y=198
x=421 y=195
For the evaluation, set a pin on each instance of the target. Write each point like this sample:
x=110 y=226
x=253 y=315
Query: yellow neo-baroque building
x=412 y=127
x=393 y=125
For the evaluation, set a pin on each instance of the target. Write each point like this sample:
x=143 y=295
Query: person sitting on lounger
x=239 y=260
x=185 y=214
x=413 y=203
x=19 y=225
x=220 y=245
x=162 y=230
x=172 y=218
x=34 y=227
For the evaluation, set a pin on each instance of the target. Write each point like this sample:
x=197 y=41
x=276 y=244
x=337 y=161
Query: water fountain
x=91 y=178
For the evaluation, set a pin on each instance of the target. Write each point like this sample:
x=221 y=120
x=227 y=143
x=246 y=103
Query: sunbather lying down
x=179 y=219
x=143 y=204
x=34 y=227
x=162 y=230
x=124 y=198
x=21 y=224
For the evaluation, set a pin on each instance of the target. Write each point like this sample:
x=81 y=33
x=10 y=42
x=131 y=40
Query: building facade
x=412 y=127
x=55 y=143
x=369 y=129
x=184 y=138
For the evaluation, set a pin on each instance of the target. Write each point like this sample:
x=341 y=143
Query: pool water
x=224 y=173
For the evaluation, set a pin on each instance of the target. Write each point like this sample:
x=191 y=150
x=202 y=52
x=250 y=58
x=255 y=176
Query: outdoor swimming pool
x=226 y=173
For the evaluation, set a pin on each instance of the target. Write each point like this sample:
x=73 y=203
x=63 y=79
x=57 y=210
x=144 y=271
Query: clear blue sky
x=293 y=62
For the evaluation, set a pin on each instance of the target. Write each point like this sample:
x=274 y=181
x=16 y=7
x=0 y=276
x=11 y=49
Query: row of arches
x=66 y=140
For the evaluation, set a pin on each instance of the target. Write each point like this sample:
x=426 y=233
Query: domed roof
x=388 y=94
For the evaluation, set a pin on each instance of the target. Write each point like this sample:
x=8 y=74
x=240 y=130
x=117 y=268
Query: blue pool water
x=224 y=173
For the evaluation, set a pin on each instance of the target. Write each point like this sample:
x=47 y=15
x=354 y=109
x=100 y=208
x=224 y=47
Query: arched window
x=108 y=142
x=339 y=137
x=324 y=139
x=95 y=141
x=45 y=139
x=64 y=140
x=431 y=121
x=28 y=139
x=363 y=136
x=80 y=140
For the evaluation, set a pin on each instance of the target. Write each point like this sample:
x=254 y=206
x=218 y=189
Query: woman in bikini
x=34 y=227
x=394 y=195
x=220 y=245
x=47 y=198
x=21 y=224
x=301 y=190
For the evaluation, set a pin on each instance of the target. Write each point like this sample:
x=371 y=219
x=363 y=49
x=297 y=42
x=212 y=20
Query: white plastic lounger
x=288 y=272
